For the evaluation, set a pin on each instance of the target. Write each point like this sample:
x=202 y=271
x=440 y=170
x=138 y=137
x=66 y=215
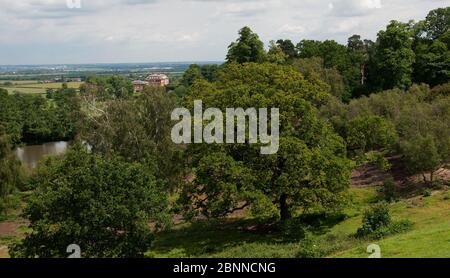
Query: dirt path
x=9 y=228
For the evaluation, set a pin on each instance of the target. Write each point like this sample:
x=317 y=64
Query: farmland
x=33 y=86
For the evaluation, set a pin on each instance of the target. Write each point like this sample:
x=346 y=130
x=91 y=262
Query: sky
x=132 y=31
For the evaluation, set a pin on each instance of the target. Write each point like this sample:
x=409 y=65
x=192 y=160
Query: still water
x=30 y=155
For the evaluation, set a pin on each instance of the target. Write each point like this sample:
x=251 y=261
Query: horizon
x=113 y=63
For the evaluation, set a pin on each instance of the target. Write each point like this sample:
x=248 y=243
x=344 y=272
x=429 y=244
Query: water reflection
x=30 y=155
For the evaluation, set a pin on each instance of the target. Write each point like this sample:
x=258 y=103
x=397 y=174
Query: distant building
x=139 y=85
x=158 y=79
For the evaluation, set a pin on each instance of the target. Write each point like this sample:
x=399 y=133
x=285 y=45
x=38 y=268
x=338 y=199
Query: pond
x=30 y=155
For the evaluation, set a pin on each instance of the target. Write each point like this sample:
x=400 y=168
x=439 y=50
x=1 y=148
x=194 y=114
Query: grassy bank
x=429 y=237
x=331 y=236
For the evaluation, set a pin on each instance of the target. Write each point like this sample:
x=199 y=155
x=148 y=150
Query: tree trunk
x=362 y=72
x=285 y=214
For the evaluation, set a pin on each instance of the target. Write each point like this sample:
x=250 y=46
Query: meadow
x=333 y=236
x=33 y=86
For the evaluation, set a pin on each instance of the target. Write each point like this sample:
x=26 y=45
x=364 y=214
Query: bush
x=309 y=248
x=376 y=217
x=377 y=223
x=400 y=226
x=292 y=228
x=389 y=191
x=427 y=193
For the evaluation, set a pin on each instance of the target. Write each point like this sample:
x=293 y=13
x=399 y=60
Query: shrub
x=374 y=218
x=377 y=223
x=292 y=228
x=309 y=248
x=427 y=193
x=389 y=191
x=400 y=226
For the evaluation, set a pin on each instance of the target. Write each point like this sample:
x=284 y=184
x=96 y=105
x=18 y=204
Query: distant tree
x=432 y=64
x=192 y=74
x=108 y=87
x=394 y=57
x=10 y=170
x=422 y=156
x=103 y=205
x=288 y=48
x=138 y=130
x=334 y=55
x=10 y=116
x=247 y=48
x=370 y=133
x=313 y=68
x=209 y=72
x=437 y=23
x=275 y=54
x=196 y=72
x=359 y=53
x=309 y=48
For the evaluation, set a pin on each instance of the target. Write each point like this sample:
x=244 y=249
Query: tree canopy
x=103 y=205
x=247 y=48
x=310 y=170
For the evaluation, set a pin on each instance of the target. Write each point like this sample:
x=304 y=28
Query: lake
x=30 y=155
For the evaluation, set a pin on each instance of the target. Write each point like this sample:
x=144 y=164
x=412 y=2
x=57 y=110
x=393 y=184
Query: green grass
x=12 y=90
x=55 y=85
x=332 y=236
x=429 y=237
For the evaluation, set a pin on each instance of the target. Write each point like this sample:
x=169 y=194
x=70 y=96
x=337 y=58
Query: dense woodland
x=384 y=103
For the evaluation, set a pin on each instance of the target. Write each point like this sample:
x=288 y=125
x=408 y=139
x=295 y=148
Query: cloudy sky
x=108 y=31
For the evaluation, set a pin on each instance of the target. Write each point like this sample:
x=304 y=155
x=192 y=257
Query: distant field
x=24 y=90
x=34 y=87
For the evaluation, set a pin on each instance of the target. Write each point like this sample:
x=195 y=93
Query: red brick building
x=158 y=79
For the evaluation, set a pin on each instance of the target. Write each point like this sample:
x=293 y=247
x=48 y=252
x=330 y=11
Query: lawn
x=333 y=236
x=429 y=237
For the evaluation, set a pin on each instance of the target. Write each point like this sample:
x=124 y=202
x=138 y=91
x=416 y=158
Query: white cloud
x=289 y=29
x=345 y=26
x=46 y=31
x=354 y=7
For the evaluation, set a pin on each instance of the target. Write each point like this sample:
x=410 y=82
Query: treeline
x=34 y=119
x=414 y=124
x=10 y=172
x=109 y=87
x=403 y=54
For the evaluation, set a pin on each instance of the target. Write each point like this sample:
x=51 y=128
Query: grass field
x=34 y=87
x=248 y=238
x=429 y=237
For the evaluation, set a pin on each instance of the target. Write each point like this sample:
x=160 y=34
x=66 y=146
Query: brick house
x=139 y=85
x=158 y=79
